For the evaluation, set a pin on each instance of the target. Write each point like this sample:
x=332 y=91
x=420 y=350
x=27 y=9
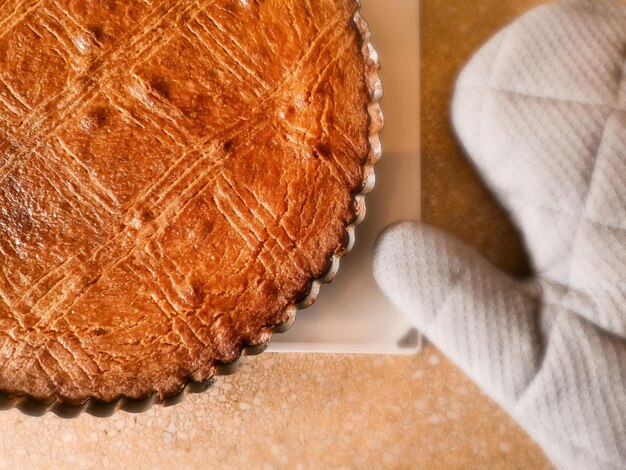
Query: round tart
x=173 y=177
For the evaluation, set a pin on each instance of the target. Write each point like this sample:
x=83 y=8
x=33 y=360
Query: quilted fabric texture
x=541 y=111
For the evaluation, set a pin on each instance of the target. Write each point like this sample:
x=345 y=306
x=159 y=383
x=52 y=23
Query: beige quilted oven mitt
x=541 y=111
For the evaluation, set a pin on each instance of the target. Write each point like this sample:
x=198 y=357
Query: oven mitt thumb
x=541 y=111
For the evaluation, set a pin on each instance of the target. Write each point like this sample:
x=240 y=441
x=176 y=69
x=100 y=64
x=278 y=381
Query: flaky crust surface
x=172 y=176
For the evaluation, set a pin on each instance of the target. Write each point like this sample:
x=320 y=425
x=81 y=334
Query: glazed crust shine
x=173 y=174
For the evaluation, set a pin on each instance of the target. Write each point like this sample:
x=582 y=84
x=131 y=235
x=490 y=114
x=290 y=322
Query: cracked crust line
x=19 y=12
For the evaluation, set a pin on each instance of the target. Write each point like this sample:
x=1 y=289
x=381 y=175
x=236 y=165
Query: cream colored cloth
x=541 y=111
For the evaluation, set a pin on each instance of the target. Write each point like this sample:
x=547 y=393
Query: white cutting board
x=351 y=314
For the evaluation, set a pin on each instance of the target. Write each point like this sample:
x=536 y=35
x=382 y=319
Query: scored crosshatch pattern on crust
x=81 y=87
x=68 y=151
x=157 y=85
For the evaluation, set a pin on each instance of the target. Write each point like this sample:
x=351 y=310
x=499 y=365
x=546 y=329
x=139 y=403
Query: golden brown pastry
x=173 y=174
